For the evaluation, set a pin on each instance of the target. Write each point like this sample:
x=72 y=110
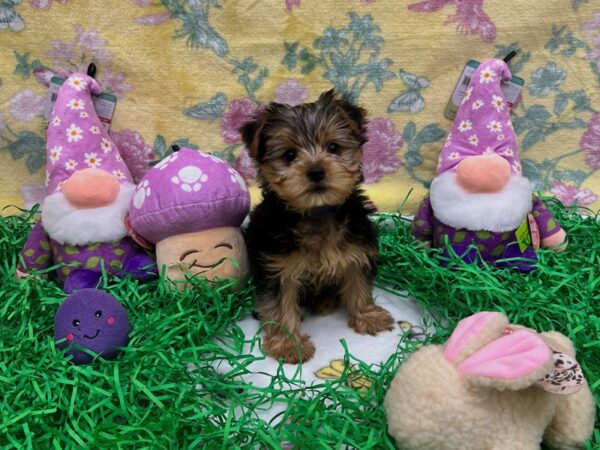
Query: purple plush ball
x=92 y=319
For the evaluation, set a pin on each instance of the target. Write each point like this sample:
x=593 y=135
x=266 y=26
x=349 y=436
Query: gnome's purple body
x=83 y=267
x=88 y=189
x=490 y=245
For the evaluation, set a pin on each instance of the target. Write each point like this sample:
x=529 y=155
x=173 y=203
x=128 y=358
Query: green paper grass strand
x=164 y=391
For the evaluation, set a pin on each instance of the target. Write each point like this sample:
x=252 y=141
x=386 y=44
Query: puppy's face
x=310 y=154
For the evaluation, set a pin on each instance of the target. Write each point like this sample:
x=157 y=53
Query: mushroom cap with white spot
x=187 y=192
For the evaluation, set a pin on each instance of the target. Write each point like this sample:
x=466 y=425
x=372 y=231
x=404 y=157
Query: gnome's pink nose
x=91 y=188
x=484 y=174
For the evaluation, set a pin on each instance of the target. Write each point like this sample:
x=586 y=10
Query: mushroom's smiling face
x=211 y=254
x=92 y=319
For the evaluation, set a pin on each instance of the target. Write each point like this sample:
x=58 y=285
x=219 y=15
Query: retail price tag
x=523 y=236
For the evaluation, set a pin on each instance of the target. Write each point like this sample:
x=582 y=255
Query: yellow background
x=168 y=76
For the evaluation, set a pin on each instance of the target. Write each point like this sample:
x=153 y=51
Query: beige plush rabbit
x=493 y=386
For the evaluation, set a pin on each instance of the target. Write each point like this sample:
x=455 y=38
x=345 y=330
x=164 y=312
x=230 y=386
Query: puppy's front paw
x=371 y=320
x=291 y=350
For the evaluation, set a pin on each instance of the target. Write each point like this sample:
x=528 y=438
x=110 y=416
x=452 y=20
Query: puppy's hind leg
x=365 y=316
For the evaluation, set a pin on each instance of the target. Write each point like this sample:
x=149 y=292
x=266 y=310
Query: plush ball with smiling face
x=191 y=206
x=92 y=319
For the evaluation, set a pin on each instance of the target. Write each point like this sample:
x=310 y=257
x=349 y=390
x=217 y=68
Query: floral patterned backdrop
x=190 y=72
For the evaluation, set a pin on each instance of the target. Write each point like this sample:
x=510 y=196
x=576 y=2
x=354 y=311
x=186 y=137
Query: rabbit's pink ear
x=514 y=361
x=473 y=333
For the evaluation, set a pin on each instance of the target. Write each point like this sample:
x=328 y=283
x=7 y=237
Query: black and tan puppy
x=310 y=241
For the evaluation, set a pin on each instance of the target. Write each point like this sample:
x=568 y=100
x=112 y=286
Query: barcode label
x=461 y=87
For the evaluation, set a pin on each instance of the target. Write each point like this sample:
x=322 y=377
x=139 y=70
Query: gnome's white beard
x=498 y=212
x=73 y=226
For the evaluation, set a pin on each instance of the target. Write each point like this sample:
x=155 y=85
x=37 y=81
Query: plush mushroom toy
x=191 y=206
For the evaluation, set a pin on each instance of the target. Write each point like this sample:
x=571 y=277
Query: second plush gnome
x=191 y=206
x=88 y=189
x=479 y=195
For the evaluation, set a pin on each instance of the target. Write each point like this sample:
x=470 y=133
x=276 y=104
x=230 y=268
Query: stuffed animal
x=191 y=206
x=92 y=319
x=479 y=195
x=493 y=386
x=89 y=189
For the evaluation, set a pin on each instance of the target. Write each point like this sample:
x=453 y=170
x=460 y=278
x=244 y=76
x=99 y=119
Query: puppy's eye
x=98 y=314
x=333 y=147
x=290 y=155
x=76 y=323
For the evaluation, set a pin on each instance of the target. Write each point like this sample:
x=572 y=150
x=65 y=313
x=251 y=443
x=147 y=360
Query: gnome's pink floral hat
x=76 y=137
x=186 y=192
x=482 y=125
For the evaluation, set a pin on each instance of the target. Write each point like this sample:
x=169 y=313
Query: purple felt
x=81 y=279
x=142 y=266
x=186 y=192
x=92 y=319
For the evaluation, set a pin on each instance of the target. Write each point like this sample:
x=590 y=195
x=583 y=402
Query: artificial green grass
x=164 y=391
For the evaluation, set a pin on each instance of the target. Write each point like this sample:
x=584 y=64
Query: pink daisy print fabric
x=482 y=124
x=76 y=138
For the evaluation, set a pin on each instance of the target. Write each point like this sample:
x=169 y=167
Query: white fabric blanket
x=327 y=332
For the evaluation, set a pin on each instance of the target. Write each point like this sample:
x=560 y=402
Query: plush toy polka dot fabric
x=186 y=192
x=76 y=137
x=482 y=124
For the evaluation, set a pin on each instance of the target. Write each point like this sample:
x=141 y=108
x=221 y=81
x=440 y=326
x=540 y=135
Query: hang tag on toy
x=104 y=104
x=136 y=236
x=523 y=236
x=566 y=377
x=534 y=232
x=511 y=90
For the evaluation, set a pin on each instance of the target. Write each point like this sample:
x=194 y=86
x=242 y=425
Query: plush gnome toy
x=479 y=195
x=89 y=189
x=191 y=206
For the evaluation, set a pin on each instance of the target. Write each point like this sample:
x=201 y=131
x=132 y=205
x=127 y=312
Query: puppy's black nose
x=315 y=174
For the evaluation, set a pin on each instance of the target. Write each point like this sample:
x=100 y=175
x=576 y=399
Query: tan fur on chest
x=324 y=255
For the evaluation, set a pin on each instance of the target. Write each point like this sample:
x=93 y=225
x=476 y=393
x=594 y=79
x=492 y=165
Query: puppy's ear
x=356 y=114
x=251 y=134
x=327 y=98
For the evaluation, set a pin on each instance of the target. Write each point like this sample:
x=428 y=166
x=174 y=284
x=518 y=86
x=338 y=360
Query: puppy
x=310 y=241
